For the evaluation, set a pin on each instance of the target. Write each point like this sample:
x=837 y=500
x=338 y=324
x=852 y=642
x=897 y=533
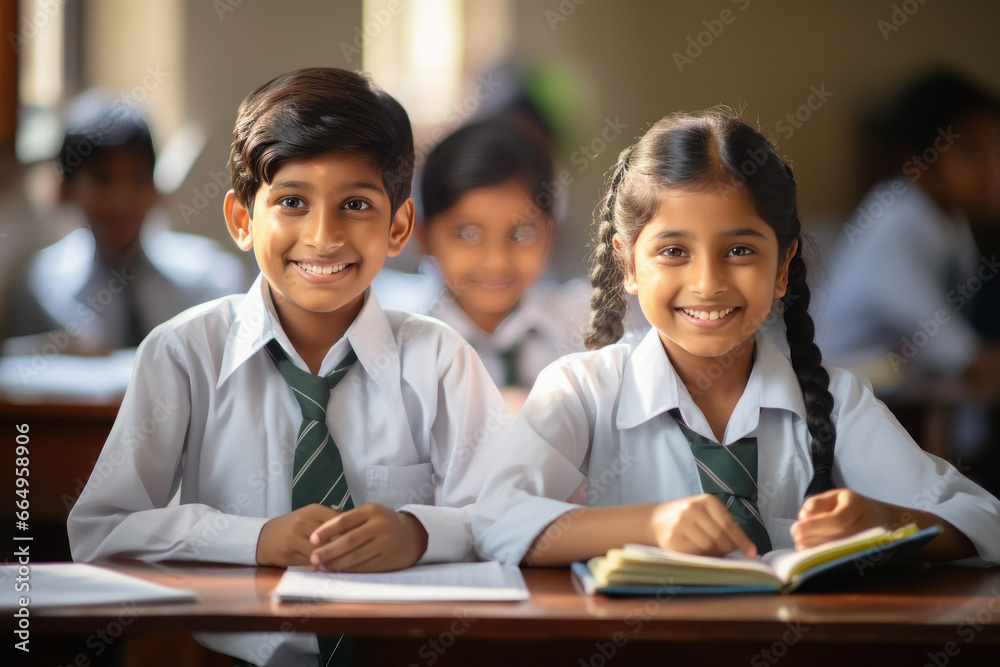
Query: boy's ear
x=781 y=282
x=238 y=221
x=401 y=228
x=630 y=284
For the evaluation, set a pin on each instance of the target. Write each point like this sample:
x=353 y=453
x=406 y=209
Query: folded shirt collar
x=514 y=326
x=651 y=386
x=370 y=336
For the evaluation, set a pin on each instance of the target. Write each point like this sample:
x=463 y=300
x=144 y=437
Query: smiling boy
x=320 y=167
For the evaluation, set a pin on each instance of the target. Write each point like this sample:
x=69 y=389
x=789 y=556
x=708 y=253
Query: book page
x=643 y=568
x=71 y=584
x=446 y=582
x=648 y=565
x=651 y=554
x=788 y=563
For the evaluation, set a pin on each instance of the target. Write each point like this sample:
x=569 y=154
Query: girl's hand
x=839 y=513
x=842 y=512
x=370 y=538
x=284 y=540
x=699 y=525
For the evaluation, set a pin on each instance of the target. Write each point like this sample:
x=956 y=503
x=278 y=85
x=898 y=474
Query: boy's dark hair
x=316 y=110
x=927 y=106
x=480 y=155
x=694 y=151
x=95 y=126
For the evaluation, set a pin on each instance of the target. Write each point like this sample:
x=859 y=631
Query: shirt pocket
x=780 y=532
x=395 y=486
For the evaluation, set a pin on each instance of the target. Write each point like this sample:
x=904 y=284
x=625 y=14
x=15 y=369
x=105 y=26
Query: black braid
x=813 y=378
x=607 y=302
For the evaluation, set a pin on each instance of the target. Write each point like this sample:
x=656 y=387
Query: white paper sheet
x=448 y=582
x=71 y=584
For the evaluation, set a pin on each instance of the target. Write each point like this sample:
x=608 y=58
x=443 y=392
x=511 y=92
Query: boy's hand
x=284 y=540
x=699 y=525
x=838 y=513
x=370 y=538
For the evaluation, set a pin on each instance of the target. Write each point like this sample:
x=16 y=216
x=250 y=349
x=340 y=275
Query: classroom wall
x=145 y=66
x=626 y=63
x=208 y=56
x=769 y=59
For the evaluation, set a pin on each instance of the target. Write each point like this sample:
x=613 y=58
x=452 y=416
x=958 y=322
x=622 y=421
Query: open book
x=637 y=569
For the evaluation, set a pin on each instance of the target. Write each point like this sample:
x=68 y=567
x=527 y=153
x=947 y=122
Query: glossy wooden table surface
x=892 y=616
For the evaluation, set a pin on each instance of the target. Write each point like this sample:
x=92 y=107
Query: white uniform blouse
x=548 y=322
x=417 y=421
x=604 y=416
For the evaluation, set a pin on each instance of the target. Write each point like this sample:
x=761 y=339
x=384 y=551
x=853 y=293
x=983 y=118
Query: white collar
x=370 y=336
x=772 y=384
x=514 y=326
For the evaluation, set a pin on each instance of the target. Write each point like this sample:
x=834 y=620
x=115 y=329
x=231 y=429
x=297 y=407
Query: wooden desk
x=64 y=441
x=887 y=617
x=927 y=407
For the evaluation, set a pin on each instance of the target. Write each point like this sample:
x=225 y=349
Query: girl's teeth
x=322 y=270
x=707 y=315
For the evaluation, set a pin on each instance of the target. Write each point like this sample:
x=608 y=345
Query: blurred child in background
x=485 y=229
x=905 y=269
x=106 y=285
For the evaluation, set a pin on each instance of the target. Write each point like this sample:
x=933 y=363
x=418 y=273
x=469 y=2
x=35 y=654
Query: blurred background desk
x=68 y=405
x=954 y=421
x=887 y=617
x=65 y=440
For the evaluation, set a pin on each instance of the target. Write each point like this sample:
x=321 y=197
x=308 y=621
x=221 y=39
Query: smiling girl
x=705 y=437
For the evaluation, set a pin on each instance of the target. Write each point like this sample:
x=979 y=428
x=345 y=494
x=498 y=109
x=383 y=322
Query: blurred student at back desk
x=906 y=268
x=105 y=286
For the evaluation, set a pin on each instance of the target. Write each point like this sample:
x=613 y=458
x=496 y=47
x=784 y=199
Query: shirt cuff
x=508 y=538
x=227 y=538
x=981 y=527
x=449 y=533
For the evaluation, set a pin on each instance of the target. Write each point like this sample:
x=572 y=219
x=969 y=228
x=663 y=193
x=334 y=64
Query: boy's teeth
x=322 y=270
x=707 y=315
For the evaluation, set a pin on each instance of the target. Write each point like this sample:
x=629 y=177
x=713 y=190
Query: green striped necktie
x=318 y=473
x=729 y=472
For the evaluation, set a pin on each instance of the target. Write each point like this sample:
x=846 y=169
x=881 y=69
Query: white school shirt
x=892 y=286
x=417 y=421
x=67 y=286
x=549 y=321
x=604 y=416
